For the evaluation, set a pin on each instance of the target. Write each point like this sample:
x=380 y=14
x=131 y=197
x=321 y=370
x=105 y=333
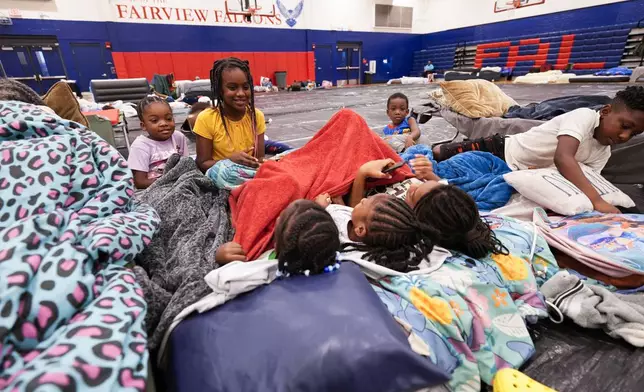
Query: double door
x=349 y=64
x=39 y=66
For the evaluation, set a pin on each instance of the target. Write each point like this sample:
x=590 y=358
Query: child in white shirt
x=580 y=136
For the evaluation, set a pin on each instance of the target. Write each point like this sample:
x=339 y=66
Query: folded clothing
x=343 y=341
x=326 y=164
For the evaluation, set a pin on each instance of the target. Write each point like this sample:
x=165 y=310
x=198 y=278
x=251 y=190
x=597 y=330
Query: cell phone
x=393 y=167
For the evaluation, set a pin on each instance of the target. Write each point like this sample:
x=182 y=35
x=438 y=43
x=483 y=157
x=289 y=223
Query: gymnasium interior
x=109 y=285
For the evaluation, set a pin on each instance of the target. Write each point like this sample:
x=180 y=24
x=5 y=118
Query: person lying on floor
x=307 y=241
x=149 y=153
x=234 y=129
x=382 y=226
x=403 y=131
x=581 y=136
x=447 y=214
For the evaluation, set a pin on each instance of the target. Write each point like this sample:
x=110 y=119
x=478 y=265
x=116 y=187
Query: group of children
x=393 y=232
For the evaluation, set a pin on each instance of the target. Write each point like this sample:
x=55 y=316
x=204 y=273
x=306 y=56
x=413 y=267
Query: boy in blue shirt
x=403 y=131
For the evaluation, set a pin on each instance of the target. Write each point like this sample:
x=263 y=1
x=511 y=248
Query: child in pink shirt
x=148 y=154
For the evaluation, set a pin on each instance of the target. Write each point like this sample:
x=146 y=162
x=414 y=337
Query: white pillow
x=551 y=190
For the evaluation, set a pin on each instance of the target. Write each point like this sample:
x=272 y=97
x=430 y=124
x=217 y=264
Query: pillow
x=62 y=100
x=476 y=98
x=551 y=190
x=328 y=332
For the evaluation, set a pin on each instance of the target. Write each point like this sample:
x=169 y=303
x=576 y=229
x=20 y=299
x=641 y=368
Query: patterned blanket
x=72 y=314
x=472 y=314
x=610 y=243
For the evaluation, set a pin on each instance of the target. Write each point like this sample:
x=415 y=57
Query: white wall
x=453 y=14
x=354 y=15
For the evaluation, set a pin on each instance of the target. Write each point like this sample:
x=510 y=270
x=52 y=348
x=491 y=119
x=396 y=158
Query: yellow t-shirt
x=240 y=133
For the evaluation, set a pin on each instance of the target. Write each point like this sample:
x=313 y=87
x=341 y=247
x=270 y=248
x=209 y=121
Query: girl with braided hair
x=306 y=241
x=149 y=153
x=452 y=220
x=446 y=214
x=234 y=128
x=384 y=227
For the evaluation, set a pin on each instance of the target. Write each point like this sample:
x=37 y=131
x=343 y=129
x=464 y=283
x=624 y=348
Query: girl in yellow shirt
x=233 y=129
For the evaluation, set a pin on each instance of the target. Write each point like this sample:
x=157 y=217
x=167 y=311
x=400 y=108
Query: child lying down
x=392 y=232
x=580 y=136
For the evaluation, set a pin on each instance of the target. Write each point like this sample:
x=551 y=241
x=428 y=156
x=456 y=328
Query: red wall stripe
x=188 y=65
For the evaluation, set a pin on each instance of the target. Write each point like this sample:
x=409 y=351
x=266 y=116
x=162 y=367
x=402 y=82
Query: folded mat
x=328 y=332
x=194 y=223
x=472 y=314
x=480 y=174
x=72 y=314
x=551 y=108
x=564 y=260
x=326 y=164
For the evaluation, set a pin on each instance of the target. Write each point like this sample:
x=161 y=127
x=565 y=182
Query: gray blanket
x=195 y=221
x=589 y=306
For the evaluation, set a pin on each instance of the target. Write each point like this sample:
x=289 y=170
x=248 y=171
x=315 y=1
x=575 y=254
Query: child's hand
x=374 y=169
x=423 y=168
x=244 y=158
x=605 y=207
x=409 y=141
x=324 y=200
x=228 y=252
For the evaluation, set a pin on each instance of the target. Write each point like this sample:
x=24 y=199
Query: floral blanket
x=472 y=314
x=71 y=313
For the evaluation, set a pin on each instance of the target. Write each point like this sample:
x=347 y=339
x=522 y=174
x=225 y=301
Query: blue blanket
x=480 y=174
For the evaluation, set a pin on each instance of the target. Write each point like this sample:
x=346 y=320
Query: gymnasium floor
x=297 y=116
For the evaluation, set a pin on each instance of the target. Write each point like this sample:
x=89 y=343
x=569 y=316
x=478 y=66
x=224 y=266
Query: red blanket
x=326 y=164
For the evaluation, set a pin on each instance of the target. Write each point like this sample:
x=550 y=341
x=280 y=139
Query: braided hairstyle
x=453 y=221
x=306 y=238
x=12 y=90
x=147 y=101
x=217 y=84
x=395 y=238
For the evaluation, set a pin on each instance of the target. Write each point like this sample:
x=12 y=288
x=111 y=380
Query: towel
x=589 y=306
x=326 y=164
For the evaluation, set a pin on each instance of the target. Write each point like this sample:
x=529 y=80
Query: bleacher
x=591 y=48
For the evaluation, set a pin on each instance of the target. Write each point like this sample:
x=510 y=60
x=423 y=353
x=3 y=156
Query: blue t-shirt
x=429 y=67
x=402 y=128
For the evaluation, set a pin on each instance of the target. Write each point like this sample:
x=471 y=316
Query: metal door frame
x=31 y=44
x=346 y=46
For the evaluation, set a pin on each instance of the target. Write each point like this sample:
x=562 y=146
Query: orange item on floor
x=111 y=114
x=326 y=164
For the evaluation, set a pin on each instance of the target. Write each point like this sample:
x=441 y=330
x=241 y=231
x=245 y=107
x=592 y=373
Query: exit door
x=39 y=66
x=348 y=62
